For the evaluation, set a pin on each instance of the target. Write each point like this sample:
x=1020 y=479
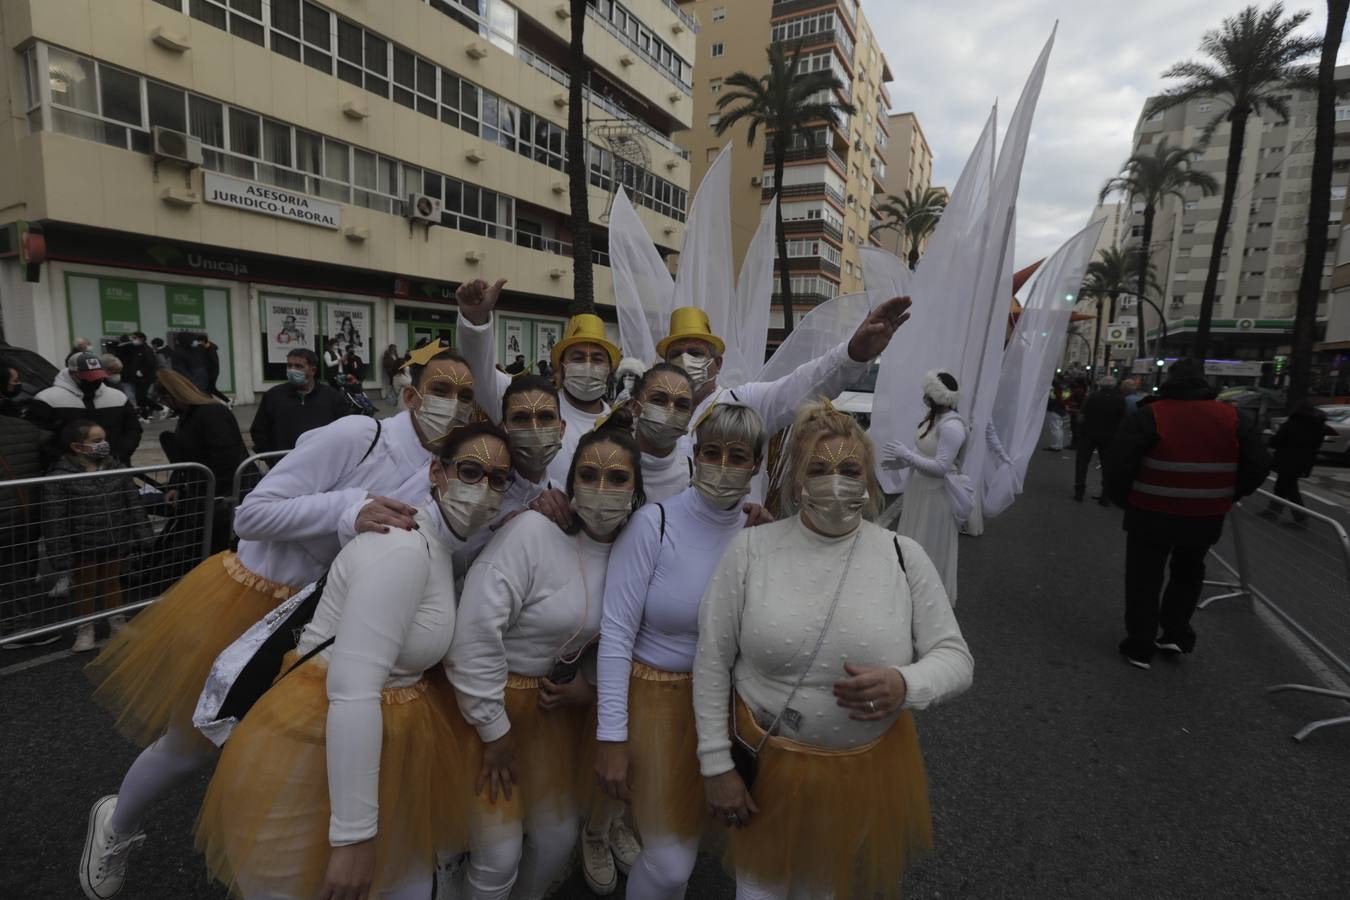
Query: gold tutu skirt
x=151 y=674
x=667 y=788
x=554 y=761
x=263 y=825
x=842 y=823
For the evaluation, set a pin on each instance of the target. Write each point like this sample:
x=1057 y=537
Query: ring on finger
x=871 y=706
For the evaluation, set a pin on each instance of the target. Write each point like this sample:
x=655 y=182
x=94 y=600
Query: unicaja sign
x=222 y=190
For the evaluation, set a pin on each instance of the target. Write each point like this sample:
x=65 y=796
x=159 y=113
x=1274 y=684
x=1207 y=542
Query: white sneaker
x=103 y=867
x=84 y=638
x=597 y=864
x=623 y=844
x=117 y=623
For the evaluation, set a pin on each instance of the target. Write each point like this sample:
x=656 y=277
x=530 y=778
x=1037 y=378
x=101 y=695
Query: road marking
x=38 y=661
x=1313 y=494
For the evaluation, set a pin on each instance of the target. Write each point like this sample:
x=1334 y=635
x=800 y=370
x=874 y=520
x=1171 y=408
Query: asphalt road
x=1062 y=773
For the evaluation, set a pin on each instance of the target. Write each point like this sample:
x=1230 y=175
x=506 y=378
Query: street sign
x=1120 y=333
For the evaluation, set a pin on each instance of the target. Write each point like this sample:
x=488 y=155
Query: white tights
x=160 y=768
x=747 y=888
x=663 y=868
x=522 y=866
x=418 y=887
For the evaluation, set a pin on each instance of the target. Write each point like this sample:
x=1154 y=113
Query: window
x=1136 y=231
x=1155 y=117
x=1192 y=204
x=715 y=85
x=718 y=48
x=167 y=106
x=1188 y=228
x=713 y=119
x=719 y=13
x=1338 y=193
x=1343 y=114
x=1204 y=106
x=711 y=153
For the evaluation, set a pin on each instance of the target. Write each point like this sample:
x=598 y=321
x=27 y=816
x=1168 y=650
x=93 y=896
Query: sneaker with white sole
x=597 y=864
x=103 y=866
x=1168 y=646
x=623 y=843
x=84 y=638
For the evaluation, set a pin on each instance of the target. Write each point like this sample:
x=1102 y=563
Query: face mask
x=114 y=379
x=136 y=342
x=604 y=512
x=196 y=343
x=585 y=381
x=834 y=503
x=534 y=448
x=98 y=450
x=662 y=426
x=91 y=387
x=439 y=415
x=297 y=376
x=696 y=367
x=722 y=485
x=468 y=507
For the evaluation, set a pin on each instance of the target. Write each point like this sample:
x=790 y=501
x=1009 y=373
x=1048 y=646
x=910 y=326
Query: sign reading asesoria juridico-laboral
x=271 y=201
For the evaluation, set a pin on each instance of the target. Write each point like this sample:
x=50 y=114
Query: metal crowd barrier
x=77 y=549
x=1301 y=575
x=251 y=471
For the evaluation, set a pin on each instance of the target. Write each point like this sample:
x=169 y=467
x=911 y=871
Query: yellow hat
x=585 y=329
x=690 y=322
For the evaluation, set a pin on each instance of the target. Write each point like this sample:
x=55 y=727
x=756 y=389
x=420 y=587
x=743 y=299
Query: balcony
x=556 y=247
x=813 y=227
x=806 y=299
x=810 y=154
x=818 y=189
x=799 y=264
x=633 y=45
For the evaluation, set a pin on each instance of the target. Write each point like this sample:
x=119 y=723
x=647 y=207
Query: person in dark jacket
x=21 y=598
x=80 y=393
x=89 y=525
x=1074 y=406
x=211 y=357
x=1296 y=445
x=138 y=369
x=1177 y=466
x=302 y=404
x=1102 y=413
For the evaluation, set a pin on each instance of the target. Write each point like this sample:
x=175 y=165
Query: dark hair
x=447 y=352
x=309 y=356
x=157 y=342
x=523 y=383
x=619 y=429
x=138 y=334
x=6 y=364
x=74 y=431
x=934 y=409
x=460 y=436
x=662 y=367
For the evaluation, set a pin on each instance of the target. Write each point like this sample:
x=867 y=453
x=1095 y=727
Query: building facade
x=277 y=172
x=1090 y=325
x=830 y=186
x=909 y=167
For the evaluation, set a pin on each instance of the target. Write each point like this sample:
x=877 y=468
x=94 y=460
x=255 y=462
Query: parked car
x=856 y=400
x=1258 y=402
x=1338 y=420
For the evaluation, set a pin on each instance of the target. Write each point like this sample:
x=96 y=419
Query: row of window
x=813 y=284
x=629 y=28
x=813 y=247
x=811 y=24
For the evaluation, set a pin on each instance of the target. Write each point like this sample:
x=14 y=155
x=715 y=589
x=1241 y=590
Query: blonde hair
x=182 y=391
x=819 y=419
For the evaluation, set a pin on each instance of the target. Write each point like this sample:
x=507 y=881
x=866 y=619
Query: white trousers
x=663 y=868
x=1056 y=423
x=521 y=861
x=159 y=768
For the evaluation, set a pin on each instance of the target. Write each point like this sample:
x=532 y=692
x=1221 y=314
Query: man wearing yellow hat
x=582 y=363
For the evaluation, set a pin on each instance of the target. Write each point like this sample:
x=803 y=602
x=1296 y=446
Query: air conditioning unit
x=1178 y=303
x=177 y=147
x=1246 y=324
x=423 y=208
x=756 y=181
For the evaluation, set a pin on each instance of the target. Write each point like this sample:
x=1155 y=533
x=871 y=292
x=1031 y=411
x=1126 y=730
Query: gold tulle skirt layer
x=151 y=674
x=835 y=823
x=263 y=826
x=667 y=788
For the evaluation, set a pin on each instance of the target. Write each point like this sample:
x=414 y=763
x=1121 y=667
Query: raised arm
x=477 y=338
x=631 y=566
x=942 y=666
x=719 y=628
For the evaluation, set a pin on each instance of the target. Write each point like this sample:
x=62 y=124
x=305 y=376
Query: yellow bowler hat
x=690 y=322
x=585 y=329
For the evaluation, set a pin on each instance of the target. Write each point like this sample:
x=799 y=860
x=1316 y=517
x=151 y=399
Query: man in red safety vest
x=1177 y=466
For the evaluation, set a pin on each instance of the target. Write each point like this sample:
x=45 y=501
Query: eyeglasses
x=470 y=472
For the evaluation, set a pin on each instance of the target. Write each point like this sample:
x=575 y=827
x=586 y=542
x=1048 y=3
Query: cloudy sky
x=952 y=59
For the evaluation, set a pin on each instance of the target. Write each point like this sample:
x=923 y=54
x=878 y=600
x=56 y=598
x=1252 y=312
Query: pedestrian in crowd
x=346 y=777
x=90 y=525
x=647 y=742
x=81 y=345
x=334 y=361
x=207 y=433
x=353 y=476
x=300 y=405
x=1056 y=411
x=626 y=376
x=389 y=365
x=531 y=608
x=1129 y=388
x=818 y=636
x=662 y=404
x=189 y=359
x=1177 y=466
x=21 y=457
x=138 y=370
x=80 y=392
x=163 y=359
x=517 y=366
x=11 y=387
x=1296 y=445
x=545 y=370
x=112 y=375
x=211 y=357
x=402 y=381
x=1078 y=393
x=926 y=517
x=1102 y=414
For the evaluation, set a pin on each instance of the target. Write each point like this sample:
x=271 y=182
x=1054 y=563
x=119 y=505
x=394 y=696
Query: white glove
x=896 y=455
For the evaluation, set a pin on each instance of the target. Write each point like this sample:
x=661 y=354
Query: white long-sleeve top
x=950 y=437
x=652 y=595
x=534 y=595
x=665 y=476
x=763 y=613
x=294 y=522
x=390 y=604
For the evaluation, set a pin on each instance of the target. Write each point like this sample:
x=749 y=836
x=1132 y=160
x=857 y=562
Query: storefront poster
x=119 y=306
x=351 y=323
x=515 y=339
x=289 y=323
x=186 y=308
x=546 y=335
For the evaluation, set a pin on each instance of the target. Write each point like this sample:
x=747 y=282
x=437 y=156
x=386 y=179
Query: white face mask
x=696 y=367
x=722 y=485
x=662 y=426
x=534 y=448
x=468 y=507
x=438 y=415
x=604 y=512
x=585 y=381
x=114 y=379
x=834 y=503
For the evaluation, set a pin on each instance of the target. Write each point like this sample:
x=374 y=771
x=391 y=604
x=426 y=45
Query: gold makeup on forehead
x=482 y=452
x=613 y=459
x=459 y=375
x=541 y=400
x=672 y=385
x=834 y=453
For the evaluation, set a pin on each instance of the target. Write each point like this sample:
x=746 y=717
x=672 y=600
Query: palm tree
x=1319 y=208
x=1254 y=57
x=1106 y=279
x=788 y=104
x=915 y=215
x=578 y=165
x=1151 y=178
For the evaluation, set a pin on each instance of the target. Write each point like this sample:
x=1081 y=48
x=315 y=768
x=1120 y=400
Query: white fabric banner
x=644 y=292
x=747 y=333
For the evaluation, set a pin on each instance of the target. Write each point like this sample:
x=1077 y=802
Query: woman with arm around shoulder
x=345 y=778
x=818 y=635
x=531 y=609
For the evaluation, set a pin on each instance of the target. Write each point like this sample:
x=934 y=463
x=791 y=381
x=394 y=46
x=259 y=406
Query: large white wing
x=747 y=333
x=820 y=330
x=644 y=291
x=706 y=276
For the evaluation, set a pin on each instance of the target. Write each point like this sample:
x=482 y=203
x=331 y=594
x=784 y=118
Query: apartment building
x=832 y=184
x=909 y=168
x=272 y=172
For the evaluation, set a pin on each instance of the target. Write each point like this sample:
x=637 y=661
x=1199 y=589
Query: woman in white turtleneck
x=817 y=636
x=657 y=574
x=662 y=402
x=531 y=609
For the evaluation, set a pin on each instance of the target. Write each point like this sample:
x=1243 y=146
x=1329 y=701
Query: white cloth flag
x=707 y=277
x=747 y=334
x=1029 y=365
x=644 y=292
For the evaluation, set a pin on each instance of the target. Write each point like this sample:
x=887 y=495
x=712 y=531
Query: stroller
x=356 y=395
